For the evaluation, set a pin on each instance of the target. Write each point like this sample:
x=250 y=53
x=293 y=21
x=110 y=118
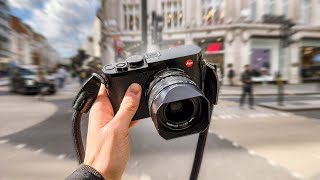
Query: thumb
x=129 y=105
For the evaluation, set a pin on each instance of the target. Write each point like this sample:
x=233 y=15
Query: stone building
x=229 y=32
x=29 y=47
x=4 y=35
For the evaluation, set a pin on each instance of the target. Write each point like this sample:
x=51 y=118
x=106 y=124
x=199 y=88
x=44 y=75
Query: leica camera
x=179 y=89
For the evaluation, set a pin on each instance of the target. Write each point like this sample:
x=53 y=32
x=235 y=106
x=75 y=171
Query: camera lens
x=175 y=102
x=179 y=111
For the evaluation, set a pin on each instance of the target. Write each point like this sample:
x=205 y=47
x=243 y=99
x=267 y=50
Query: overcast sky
x=65 y=23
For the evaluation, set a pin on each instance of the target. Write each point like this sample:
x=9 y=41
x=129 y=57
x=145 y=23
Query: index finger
x=102 y=111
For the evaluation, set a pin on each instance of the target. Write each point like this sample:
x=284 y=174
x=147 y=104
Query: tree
x=78 y=59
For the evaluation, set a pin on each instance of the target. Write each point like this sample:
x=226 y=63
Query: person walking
x=61 y=74
x=231 y=74
x=43 y=89
x=247 y=87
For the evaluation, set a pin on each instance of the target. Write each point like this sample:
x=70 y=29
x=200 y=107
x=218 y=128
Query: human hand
x=108 y=146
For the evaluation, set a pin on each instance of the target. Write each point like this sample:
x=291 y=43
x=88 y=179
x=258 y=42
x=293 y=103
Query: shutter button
x=122 y=67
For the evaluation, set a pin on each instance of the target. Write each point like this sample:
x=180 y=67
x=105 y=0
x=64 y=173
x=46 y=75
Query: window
x=131 y=17
x=285 y=7
x=212 y=12
x=253 y=9
x=305 y=11
x=269 y=6
x=172 y=14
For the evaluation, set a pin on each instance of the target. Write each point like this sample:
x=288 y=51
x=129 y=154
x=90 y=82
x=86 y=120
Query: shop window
x=213 y=12
x=260 y=61
x=310 y=63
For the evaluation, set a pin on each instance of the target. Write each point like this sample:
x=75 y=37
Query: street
x=45 y=144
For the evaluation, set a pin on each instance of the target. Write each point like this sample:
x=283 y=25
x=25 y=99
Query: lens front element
x=179 y=111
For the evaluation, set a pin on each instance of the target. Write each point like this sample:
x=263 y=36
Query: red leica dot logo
x=189 y=63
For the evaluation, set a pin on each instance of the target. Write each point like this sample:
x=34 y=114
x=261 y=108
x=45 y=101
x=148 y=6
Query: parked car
x=23 y=79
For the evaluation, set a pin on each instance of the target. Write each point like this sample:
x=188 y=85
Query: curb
x=289 y=109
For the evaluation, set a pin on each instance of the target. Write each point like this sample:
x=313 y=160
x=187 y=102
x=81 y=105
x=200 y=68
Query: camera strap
x=82 y=104
x=210 y=90
x=89 y=92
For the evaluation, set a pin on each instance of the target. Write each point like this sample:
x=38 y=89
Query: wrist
x=106 y=174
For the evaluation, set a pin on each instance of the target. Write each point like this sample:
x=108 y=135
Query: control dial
x=135 y=61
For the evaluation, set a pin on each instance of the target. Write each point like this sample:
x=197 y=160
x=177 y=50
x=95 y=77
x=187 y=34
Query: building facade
x=228 y=31
x=4 y=35
x=92 y=44
x=29 y=47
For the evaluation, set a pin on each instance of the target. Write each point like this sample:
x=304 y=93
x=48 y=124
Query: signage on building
x=214 y=47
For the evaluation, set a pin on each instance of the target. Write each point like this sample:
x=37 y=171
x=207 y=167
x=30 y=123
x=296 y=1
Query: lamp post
x=144 y=30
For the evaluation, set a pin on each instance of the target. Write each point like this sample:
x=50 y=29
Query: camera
x=179 y=89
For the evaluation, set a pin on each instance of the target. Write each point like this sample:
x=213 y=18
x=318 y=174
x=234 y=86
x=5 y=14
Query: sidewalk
x=283 y=139
x=272 y=89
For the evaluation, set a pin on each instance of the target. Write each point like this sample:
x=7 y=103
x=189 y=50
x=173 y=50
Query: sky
x=65 y=23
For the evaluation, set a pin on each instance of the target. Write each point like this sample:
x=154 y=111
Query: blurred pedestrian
x=61 y=75
x=280 y=84
x=41 y=79
x=220 y=76
x=82 y=76
x=247 y=87
x=231 y=74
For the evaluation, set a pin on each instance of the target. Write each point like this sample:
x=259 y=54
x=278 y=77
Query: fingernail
x=135 y=89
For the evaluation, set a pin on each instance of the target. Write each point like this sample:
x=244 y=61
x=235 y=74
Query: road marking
x=220 y=136
x=252 y=153
x=297 y=175
x=271 y=162
x=61 y=156
x=235 y=144
x=3 y=141
x=222 y=116
x=38 y=151
x=284 y=114
x=252 y=115
x=145 y=177
x=214 y=117
x=20 y=146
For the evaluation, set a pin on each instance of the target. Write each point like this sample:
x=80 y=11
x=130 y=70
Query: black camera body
x=173 y=84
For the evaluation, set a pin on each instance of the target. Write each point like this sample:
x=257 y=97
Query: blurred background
x=49 y=48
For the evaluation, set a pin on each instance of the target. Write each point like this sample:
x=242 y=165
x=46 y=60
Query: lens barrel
x=176 y=104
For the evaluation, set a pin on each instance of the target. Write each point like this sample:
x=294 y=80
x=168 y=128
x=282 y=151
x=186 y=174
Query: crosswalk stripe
x=3 y=141
x=20 y=146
